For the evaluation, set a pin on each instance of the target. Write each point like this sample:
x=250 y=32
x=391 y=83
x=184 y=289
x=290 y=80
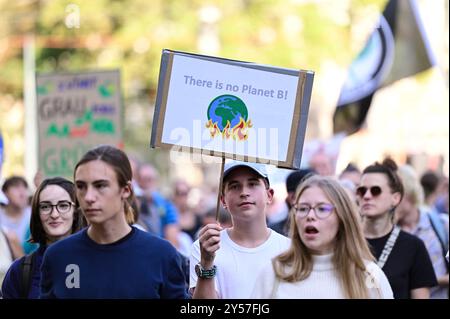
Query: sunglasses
x=374 y=191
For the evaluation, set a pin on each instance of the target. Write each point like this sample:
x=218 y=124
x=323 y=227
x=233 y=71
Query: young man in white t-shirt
x=224 y=263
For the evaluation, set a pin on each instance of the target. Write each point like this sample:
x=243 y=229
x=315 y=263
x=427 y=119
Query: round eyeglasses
x=321 y=211
x=63 y=207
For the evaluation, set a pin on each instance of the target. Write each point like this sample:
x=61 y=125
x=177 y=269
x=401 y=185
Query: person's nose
x=90 y=196
x=245 y=191
x=367 y=195
x=311 y=214
x=54 y=214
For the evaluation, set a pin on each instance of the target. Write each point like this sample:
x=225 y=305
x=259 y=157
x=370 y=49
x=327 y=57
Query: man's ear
x=222 y=201
x=126 y=191
x=270 y=193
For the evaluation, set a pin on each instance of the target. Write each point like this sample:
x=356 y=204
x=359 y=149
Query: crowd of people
x=379 y=233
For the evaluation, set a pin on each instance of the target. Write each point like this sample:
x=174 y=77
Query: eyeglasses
x=321 y=211
x=63 y=207
x=374 y=191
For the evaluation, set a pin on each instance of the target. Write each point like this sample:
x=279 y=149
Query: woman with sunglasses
x=329 y=257
x=403 y=257
x=54 y=216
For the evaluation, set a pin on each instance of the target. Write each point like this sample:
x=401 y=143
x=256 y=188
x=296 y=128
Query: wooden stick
x=220 y=189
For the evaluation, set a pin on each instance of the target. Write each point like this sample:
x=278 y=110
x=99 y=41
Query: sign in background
x=1 y=153
x=231 y=109
x=76 y=112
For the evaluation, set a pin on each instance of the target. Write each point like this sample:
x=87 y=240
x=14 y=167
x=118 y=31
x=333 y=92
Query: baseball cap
x=258 y=168
x=296 y=177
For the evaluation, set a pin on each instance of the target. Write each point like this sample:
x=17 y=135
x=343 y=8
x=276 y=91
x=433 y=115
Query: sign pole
x=29 y=92
x=220 y=189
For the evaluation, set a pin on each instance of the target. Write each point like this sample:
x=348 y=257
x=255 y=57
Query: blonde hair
x=411 y=184
x=351 y=250
x=129 y=213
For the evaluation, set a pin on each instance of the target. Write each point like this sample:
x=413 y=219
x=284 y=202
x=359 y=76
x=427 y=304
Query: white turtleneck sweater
x=322 y=283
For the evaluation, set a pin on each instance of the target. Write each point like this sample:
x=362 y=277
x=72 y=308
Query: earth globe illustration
x=226 y=108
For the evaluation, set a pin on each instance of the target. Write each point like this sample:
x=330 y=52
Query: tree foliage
x=130 y=35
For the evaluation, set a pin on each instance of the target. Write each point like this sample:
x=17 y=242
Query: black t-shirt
x=408 y=266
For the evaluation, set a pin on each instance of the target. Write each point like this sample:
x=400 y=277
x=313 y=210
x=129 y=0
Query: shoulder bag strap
x=388 y=247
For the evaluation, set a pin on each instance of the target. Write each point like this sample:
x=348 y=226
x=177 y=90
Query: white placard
x=231 y=109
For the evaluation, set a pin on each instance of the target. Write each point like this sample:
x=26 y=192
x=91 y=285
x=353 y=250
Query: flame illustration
x=226 y=131
x=238 y=132
x=213 y=128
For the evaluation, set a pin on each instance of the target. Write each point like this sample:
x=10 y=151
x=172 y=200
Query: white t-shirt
x=237 y=266
x=18 y=227
x=5 y=256
x=322 y=283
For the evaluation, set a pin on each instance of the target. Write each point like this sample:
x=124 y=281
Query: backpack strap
x=27 y=272
x=439 y=229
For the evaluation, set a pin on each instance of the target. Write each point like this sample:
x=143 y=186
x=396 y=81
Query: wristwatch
x=205 y=273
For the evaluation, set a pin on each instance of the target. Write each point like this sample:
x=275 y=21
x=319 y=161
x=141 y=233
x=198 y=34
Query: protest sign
x=76 y=111
x=231 y=109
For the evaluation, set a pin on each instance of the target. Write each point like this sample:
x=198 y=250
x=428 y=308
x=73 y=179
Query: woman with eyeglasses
x=403 y=257
x=329 y=257
x=54 y=216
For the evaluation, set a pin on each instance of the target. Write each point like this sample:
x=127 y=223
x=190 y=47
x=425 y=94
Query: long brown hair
x=351 y=250
x=119 y=162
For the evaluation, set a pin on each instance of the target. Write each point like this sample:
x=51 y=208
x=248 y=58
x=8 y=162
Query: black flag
x=396 y=49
